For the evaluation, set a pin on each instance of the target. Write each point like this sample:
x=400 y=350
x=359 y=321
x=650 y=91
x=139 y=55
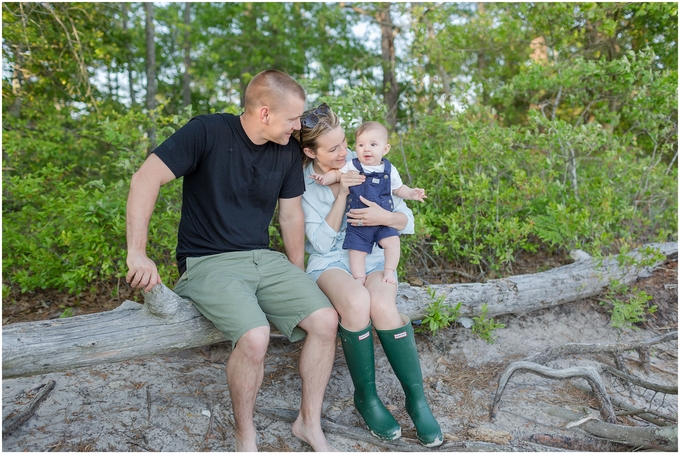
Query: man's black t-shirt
x=231 y=186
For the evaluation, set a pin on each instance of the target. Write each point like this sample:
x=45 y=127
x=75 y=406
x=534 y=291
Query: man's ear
x=264 y=115
x=387 y=149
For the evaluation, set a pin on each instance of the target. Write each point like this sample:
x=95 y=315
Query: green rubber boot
x=360 y=357
x=400 y=348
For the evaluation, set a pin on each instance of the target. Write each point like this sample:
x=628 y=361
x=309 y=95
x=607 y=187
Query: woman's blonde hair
x=308 y=136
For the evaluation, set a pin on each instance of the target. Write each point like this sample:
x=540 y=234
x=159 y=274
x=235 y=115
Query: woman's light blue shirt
x=324 y=244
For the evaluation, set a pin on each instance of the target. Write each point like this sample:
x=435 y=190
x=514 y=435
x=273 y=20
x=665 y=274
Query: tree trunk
x=128 y=54
x=481 y=60
x=186 y=78
x=389 y=64
x=168 y=323
x=150 y=71
x=17 y=80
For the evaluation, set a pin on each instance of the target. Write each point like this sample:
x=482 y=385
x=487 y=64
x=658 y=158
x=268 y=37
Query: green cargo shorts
x=242 y=290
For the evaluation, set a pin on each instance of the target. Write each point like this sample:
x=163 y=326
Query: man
x=235 y=169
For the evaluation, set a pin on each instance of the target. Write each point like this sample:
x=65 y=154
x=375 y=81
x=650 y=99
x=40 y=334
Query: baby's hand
x=418 y=194
x=318 y=178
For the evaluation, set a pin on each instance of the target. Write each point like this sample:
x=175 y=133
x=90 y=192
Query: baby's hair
x=371 y=125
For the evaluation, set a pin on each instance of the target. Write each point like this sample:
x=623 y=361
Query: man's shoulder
x=216 y=119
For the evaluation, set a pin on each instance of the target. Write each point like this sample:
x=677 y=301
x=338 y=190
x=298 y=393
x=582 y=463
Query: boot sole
x=397 y=435
x=439 y=441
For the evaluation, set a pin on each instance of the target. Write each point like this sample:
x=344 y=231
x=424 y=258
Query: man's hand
x=142 y=272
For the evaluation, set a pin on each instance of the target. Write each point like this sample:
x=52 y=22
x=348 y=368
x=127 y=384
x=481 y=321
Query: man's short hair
x=270 y=88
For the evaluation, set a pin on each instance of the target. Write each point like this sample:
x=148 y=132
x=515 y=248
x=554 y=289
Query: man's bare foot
x=246 y=443
x=361 y=280
x=388 y=276
x=313 y=437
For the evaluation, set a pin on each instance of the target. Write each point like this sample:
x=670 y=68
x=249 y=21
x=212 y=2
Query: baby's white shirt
x=395 y=179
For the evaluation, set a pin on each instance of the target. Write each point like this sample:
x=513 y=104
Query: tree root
x=570 y=443
x=642 y=383
x=645 y=414
x=11 y=424
x=661 y=438
x=588 y=373
x=664 y=437
x=399 y=445
x=641 y=347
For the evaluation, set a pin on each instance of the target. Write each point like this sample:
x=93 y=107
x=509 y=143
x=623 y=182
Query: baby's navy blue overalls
x=375 y=188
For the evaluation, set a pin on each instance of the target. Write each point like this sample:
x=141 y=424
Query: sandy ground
x=180 y=402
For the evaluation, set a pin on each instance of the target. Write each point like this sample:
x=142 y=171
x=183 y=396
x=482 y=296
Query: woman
x=360 y=307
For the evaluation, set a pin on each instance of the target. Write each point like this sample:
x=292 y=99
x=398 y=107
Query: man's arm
x=144 y=188
x=292 y=222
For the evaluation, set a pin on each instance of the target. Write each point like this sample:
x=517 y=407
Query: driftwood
x=168 y=323
x=656 y=438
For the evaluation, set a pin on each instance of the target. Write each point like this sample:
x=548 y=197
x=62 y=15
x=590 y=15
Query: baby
x=382 y=180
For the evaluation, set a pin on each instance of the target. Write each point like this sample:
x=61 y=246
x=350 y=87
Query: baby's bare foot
x=388 y=276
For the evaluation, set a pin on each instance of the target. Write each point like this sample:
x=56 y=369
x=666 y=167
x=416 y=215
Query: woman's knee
x=355 y=312
x=383 y=305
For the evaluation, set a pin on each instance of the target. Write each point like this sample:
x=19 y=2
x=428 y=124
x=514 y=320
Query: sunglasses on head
x=312 y=119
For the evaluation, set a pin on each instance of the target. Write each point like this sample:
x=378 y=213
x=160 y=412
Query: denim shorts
x=340 y=265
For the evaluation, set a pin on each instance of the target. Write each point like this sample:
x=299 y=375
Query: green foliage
x=439 y=315
x=632 y=309
x=517 y=153
x=67 y=313
x=67 y=232
x=484 y=327
x=552 y=183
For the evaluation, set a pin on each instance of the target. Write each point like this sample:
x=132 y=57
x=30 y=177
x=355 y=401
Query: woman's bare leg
x=383 y=295
x=350 y=299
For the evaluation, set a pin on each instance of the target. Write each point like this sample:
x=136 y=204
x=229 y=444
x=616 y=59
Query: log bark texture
x=168 y=323
x=655 y=438
x=530 y=292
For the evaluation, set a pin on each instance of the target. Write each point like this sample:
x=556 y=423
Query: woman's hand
x=349 y=179
x=371 y=215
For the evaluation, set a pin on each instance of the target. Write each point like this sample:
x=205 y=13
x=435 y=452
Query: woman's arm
x=320 y=235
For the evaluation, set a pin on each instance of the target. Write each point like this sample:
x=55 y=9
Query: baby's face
x=371 y=147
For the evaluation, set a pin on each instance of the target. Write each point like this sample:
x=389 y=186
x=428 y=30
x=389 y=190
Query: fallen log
x=168 y=323
x=127 y=332
x=527 y=293
x=655 y=438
